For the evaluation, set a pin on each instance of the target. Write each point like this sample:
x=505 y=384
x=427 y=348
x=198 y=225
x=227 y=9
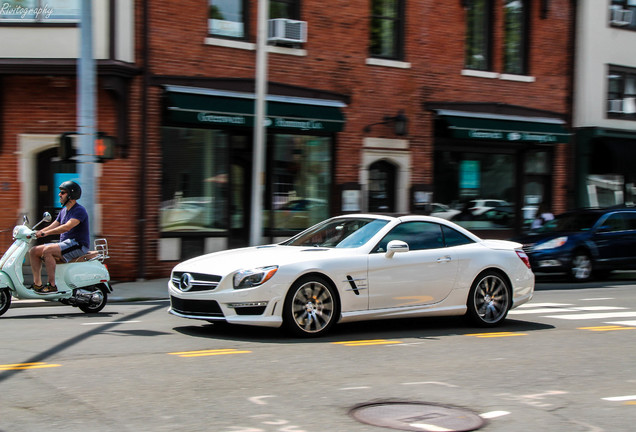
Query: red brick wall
x=335 y=61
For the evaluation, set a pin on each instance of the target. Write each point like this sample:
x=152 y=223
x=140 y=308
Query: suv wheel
x=581 y=268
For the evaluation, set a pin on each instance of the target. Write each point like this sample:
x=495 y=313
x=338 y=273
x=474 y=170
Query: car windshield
x=338 y=233
x=571 y=222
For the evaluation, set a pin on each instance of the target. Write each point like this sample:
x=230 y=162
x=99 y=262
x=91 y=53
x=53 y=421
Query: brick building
x=382 y=106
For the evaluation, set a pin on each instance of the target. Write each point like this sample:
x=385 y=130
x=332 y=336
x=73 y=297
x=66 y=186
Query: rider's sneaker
x=48 y=289
x=35 y=287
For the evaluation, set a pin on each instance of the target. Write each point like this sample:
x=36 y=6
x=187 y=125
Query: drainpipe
x=141 y=238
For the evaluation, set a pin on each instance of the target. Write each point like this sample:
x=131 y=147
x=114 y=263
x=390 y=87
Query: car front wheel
x=489 y=299
x=581 y=268
x=311 y=307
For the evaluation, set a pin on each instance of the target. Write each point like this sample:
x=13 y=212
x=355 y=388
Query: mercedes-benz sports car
x=352 y=268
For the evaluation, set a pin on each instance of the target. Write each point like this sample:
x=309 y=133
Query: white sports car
x=352 y=268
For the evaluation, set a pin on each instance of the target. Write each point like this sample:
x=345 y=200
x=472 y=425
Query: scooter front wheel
x=98 y=301
x=5 y=300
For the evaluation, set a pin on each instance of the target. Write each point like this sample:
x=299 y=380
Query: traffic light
x=104 y=148
x=65 y=149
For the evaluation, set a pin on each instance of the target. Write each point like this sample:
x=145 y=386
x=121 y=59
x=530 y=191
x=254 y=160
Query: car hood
x=541 y=237
x=228 y=261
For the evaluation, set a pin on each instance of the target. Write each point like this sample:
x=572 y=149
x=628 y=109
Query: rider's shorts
x=71 y=249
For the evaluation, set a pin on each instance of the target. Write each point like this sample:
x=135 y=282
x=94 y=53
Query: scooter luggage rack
x=101 y=246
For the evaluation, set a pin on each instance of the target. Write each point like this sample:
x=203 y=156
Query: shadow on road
x=425 y=328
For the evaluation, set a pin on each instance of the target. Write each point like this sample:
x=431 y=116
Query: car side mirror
x=396 y=246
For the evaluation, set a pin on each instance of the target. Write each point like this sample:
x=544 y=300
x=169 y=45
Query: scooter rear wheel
x=5 y=300
x=96 y=307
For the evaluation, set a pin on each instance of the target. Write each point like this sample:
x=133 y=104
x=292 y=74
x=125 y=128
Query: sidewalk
x=155 y=289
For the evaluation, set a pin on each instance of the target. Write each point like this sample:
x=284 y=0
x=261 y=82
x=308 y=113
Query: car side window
x=453 y=237
x=614 y=222
x=630 y=219
x=418 y=235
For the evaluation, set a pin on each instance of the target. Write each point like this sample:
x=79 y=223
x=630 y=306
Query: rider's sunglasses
x=62 y=192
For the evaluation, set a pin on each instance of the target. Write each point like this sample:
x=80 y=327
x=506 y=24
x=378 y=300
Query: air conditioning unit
x=621 y=17
x=615 y=106
x=287 y=31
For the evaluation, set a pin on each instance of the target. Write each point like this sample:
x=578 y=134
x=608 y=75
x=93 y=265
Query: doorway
x=240 y=186
x=382 y=176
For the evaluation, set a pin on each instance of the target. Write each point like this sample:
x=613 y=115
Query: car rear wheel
x=581 y=268
x=311 y=307
x=489 y=299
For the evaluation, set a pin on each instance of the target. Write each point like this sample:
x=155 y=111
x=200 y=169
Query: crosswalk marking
x=543 y=310
x=583 y=316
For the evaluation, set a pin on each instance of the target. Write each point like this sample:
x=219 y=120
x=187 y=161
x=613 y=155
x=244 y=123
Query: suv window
x=630 y=219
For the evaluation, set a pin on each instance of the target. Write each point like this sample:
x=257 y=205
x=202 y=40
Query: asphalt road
x=563 y=362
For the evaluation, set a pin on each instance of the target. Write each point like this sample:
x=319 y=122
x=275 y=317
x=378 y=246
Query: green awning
x=225 y=108
x=508 y=128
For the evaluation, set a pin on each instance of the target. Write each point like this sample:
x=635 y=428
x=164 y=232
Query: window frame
x=43 y=11
x=622 y=4
x=397 y=34
x=486 y=32
x=625 y=74
x=246 y=23
x=524 y=44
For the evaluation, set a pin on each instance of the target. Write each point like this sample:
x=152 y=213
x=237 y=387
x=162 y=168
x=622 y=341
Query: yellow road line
x=496 y=334
x=367 y=342
x=211 y=352
x=606 y=328
x=23 y=366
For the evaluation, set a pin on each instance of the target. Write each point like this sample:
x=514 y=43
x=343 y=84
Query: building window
x=284 y=9
x=481 y=186
x=478 y=35
x=300 y=182
x=387 y=29
x=622 y=13
x=40 y=11
x=621 y=95
x=227 y=18
x=195 y=180
x=515 y=41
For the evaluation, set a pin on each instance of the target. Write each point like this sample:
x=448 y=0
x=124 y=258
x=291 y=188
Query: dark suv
x=584 y=243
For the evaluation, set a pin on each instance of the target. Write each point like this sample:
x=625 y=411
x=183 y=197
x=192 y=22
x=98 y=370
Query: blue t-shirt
x=80 y=233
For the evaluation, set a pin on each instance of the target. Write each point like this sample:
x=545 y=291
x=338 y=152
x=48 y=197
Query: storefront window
x=300 y=181
x=479 y=186
x=195 y=180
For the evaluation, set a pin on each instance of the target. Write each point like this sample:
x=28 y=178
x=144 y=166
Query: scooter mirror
x=47 y=217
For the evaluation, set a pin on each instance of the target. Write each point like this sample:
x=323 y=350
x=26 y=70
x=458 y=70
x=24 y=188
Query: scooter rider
x=72 y=225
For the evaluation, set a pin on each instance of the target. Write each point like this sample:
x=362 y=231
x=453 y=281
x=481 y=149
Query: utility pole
x=86 y=102
x=258 y=164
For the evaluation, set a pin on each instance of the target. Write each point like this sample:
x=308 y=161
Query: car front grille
x=196 y=307
x=527 y=248
x=195 y=281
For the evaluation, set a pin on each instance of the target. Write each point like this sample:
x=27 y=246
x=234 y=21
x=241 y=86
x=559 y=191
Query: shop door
x=240 y=190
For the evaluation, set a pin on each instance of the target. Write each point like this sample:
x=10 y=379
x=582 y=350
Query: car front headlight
x=253 y=277
x=552 y=244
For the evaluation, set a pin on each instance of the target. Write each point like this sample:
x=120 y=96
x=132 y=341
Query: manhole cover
x=417 y=416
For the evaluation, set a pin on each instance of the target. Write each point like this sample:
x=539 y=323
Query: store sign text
x=511 y=136
x=277 y=122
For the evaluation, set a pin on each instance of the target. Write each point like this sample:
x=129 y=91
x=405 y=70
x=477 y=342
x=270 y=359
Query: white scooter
x=82 y=283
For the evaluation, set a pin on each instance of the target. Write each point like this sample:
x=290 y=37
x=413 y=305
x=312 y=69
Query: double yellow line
x=367 y=342
x=606 y=328
x=23 y=366
x=210 y=352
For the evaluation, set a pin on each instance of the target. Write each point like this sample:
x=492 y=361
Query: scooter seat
x=90 y=255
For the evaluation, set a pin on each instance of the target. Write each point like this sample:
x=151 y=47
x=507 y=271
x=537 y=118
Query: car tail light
x=524 y=257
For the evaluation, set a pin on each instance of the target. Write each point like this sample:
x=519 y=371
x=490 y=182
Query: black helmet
x=73 y=190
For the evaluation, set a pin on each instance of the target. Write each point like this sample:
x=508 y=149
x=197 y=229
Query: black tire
x=489 y=300
x=580 y=267
x=5 y=300
x=311 y=307
x=96 y=307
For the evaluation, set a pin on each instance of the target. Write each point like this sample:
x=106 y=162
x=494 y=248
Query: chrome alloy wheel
x=490 y=299
x=581 y=269
x=313 y=307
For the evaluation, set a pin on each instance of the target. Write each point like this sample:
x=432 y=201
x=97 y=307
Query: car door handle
x=444 y=259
